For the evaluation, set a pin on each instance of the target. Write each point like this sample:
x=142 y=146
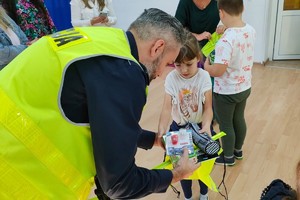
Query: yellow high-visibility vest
x=43 y=155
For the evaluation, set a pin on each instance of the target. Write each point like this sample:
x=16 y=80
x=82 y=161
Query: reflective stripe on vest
x=42 y=154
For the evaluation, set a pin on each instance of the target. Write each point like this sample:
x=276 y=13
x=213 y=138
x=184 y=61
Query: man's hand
x=184 y=167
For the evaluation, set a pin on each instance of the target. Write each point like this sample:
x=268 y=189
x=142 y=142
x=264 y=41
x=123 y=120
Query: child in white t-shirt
x=188 y=99
x=232 y=84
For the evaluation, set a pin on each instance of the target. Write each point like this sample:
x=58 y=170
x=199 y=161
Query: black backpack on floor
x=278 y=190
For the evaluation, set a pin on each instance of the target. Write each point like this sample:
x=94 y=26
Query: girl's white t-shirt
x=236 y=49
x=187 y=95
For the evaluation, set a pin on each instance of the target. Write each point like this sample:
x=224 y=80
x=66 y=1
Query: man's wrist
x=176 y=175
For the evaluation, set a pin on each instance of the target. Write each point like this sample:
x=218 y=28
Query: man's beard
x=152 y=68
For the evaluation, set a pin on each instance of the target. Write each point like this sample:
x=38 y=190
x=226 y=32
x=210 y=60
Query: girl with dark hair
x=188 y=99
x=31 y=15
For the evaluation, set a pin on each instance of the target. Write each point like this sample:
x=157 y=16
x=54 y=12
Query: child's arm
x=165 y=115
x=216 y=69
x=207 y=115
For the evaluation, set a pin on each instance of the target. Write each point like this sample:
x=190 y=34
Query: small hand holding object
x=102 y=19
x=220 y=29
x=184 y=167
x=205 y=130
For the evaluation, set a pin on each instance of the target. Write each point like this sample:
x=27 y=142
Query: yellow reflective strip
x=14 y=186
x=26 y=131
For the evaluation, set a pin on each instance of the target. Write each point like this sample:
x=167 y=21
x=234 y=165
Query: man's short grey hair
x=154 y=23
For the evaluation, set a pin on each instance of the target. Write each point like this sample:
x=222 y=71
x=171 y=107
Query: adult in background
x=92 y=13
x=71 y=105
x=31 y=15
x=12 y=39
x=201 y=17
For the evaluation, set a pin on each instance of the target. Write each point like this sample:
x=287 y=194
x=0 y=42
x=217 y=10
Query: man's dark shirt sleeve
x=146 y=140
x=109 y=93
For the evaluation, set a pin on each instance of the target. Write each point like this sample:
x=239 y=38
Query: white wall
x=257 y=14
x=128 y=10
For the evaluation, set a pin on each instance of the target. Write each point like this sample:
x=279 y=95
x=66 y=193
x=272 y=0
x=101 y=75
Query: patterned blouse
x=33 y=22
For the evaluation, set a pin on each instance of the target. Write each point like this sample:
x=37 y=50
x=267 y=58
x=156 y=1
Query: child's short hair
x=232 y=7
x=189 y=50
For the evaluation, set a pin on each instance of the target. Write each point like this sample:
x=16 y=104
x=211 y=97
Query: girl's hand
x=205 y=130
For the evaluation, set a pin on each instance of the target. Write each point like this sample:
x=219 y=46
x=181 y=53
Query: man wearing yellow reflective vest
x=70 y=109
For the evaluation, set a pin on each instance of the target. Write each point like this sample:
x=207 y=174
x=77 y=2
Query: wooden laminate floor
x=272 y=145
x=271 y=148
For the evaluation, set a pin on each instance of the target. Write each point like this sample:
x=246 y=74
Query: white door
x=287 y=34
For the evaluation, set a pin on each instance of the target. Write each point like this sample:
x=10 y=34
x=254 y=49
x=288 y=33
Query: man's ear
x=157 y=48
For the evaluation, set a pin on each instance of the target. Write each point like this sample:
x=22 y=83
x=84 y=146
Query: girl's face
x=187 y=69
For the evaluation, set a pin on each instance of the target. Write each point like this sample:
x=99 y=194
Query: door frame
x=273 y=6
x=275 y=25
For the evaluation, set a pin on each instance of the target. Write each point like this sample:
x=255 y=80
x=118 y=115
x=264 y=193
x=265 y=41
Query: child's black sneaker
x=238 y=154
x=223 y=160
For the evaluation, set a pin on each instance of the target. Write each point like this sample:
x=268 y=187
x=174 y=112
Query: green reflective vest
x=43 y=155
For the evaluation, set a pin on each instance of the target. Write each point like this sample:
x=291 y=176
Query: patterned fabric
x=235 y=49
x=33 y=21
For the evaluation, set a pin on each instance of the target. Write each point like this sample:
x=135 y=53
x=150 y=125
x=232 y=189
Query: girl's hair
x=10 y=7
x=3 y=18
x=232 y=7
x=189 y=50
x=100 y=2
